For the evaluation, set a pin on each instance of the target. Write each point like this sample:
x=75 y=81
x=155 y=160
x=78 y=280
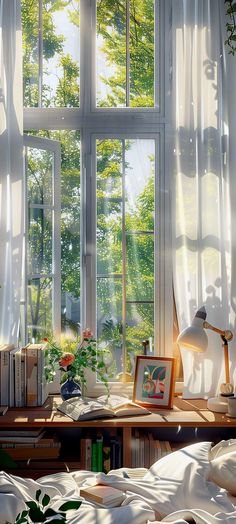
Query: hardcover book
x=4 y=373
x=105 y=495
x=102 y=407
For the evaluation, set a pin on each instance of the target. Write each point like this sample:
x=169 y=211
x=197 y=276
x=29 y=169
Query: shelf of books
x=39 y=452
x=38 y=440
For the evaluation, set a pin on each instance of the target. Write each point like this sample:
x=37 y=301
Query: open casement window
x=96 y=81
x=42 y=311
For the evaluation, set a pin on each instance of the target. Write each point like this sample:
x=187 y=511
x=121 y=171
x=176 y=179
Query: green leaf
x=231 y=9
x=31 y=504
x=36 y=514
x=38 y=493
x=45 y=500
x=71 y=504
x=22 y=520
x=50 y=512
x=6 y=461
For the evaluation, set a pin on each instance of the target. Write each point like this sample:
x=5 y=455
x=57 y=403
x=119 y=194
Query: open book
x=101 y=407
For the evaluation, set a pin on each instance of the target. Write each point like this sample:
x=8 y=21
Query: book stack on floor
x=22 y=380
x=145 y=449
x=31 y=444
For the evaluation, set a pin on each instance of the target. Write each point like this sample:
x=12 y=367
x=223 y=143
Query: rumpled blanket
x=175 y=489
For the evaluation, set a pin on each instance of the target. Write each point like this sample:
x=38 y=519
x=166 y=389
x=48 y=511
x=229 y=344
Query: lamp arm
x=227 y=334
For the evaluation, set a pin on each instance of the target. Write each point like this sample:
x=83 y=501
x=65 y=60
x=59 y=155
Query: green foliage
x=111 y=27
x=40 y=511
x=231 y=25
x=6 y=461
x=85 y=355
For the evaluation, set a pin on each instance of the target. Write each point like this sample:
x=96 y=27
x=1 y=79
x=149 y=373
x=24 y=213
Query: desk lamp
x=195 y=338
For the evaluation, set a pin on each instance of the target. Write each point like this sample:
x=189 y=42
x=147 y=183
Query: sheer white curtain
x=11 y=170
x=201 y=200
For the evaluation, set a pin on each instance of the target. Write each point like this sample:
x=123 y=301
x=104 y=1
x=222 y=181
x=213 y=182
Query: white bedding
x=175 y=489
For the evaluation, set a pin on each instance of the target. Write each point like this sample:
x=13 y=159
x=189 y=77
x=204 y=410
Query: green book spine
x=94 y=457
x=100 y=454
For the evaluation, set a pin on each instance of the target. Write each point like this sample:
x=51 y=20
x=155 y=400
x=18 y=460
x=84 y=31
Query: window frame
x=41 y=143
x=91 y=121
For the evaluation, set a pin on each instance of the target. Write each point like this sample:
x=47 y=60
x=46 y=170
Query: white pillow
x=224 y=446
x=223 y=471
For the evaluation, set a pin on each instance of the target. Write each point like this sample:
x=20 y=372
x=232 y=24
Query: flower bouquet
x=74 y=357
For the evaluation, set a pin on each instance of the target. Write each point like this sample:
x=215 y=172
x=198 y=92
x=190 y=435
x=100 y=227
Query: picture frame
x=154 y=382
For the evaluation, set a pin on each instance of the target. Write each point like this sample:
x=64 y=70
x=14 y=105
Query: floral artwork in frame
x=154 y=382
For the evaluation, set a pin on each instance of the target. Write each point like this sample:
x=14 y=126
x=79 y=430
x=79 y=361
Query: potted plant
x=73 y=359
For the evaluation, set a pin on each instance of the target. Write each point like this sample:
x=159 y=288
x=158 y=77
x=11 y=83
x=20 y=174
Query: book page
x=116 y=401
x=84 y=408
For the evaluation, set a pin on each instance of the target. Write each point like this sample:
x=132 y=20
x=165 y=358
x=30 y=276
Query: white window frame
x=54 y=147
x=91 y=121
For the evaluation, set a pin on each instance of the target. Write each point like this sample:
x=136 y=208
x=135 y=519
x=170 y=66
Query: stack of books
x=145 y=449
x=32 y=444
x=104 y=496
x=22 y=378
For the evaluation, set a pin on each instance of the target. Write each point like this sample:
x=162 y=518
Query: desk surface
x=192 y=413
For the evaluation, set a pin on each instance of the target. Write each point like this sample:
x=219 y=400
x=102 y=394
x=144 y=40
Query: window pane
x=125 y=250
x=39 y=175
x=140 y=326
x=140 y=267
x=109 y=323
x=141 y=43
x=30 y=42
x=70 y=222
x=40 y=241
x=39 y=310
x=109 y=206
x=125 y=53
x=111 y=53
x=139 y=184
x=51 y=53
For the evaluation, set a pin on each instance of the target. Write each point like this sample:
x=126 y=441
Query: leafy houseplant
x=75 y=358
x=39 y=511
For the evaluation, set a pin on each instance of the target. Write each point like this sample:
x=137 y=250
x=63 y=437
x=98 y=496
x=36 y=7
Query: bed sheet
x=175 y=489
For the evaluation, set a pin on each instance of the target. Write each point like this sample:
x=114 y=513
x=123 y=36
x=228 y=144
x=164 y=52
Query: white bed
x=179 y=488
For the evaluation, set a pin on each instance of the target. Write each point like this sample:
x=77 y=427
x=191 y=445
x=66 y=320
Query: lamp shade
x=194 y=337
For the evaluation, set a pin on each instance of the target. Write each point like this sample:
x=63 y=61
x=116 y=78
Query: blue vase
x=70 y=389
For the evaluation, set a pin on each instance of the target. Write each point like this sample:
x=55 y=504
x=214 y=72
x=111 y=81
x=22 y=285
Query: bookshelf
x=190 y=418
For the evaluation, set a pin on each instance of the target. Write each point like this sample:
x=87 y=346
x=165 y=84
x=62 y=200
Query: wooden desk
x=192 y=413
x=185 y=413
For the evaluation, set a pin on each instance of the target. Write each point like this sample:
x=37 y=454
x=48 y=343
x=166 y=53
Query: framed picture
x=154 y=382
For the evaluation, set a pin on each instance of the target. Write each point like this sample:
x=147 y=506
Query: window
x=94 y=84
x=43 y=250
x=126 y=53
x=125 y=248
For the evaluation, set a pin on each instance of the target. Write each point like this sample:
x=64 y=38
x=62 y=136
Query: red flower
x=87 y=333
x=45 y=339
x=66 y=360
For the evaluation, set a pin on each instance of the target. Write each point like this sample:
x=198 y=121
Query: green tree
x=111 y=23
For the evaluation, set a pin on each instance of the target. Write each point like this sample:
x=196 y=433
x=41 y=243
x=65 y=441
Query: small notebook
x=105 y=495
